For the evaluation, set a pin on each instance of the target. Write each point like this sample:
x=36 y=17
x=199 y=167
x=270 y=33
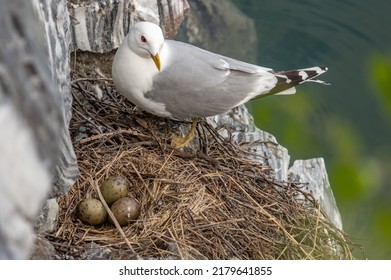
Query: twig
x=91 y=79
x=117 y=225
x=111 y=134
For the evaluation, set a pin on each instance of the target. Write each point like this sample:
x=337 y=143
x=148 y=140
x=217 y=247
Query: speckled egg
x=114 y=188
x=91 y=211
x=126 y=210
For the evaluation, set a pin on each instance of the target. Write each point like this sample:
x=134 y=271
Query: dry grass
x=204 y=203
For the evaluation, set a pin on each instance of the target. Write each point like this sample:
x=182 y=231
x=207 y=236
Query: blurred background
x=347 y=123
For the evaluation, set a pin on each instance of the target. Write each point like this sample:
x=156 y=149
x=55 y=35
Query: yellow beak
x=156 y=59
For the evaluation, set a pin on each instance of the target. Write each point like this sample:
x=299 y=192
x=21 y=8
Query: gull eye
x=143 y=39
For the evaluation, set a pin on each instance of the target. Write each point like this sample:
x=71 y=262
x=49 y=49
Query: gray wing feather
x=198 y=83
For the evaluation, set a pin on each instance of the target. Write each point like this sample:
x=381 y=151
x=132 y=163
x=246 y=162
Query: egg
x=114 y=188
x=91 y=211
x=126 y=210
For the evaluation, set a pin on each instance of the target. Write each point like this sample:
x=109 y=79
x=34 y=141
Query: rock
x=42 y=249
x=47 y=220
x=55 y=22
x=96 y=252
x=30 y=126
x=239 y=125
x=313 y=173
x=24 y=182
x=218 y=26
x=101 y=26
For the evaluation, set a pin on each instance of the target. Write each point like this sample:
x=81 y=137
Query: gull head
x=146 y=40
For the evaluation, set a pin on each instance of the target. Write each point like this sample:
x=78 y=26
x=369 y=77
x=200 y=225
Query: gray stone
x=95 y=252
x=42 y=249
x=30 y=126
x=312 y=172
x=24 y=183
x=238 y=125
x=101 y=26
x=47 y=220
x=55 y=22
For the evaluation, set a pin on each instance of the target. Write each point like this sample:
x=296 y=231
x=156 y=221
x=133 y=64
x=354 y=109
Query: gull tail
x=287 y=80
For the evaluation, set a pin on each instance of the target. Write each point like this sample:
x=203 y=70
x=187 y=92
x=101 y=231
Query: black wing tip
x=291 y=78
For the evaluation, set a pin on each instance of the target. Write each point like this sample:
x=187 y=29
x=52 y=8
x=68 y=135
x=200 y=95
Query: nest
x=206 y=202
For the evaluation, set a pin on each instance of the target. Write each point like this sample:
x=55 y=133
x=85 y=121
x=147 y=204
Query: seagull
x=177 y=80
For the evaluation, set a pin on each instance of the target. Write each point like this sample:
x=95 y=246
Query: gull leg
x=179 y=142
